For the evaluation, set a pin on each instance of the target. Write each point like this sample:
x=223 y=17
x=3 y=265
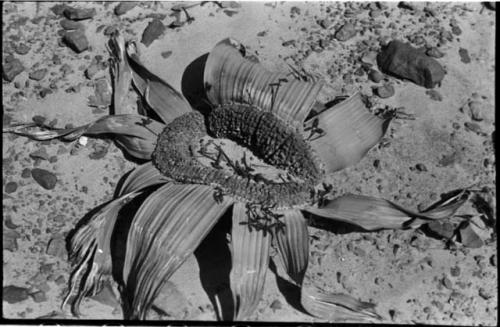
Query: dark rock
x=26 y=173
x=44 y=92
x=493 y=260
x=491 y=5
x=124 y=7
x=385 y=91
x=91 y=71
x=375 y=76
x=455 y=271
x=402 y=60
x=57 y=247
x=434 y=53
x=406 y=5
x=22 y=49
x=420 y=167
x=39 y=296
x=485 y=294
x=10 y=240
x=456 y=30
x=230 y=13
x=152 y=32
x=464 y=55
x=102 y=94
x=14 y=294
x=79 y=13
x=276 y=305
x=442 y=229
x=295 y=11
x=473 y=127
x=166 y=54
x=434 y=95
x=475 y=111
x=10 y=187
x=44 y=178
x=346 y=32
x=469 y=238
x=447 y=282
x=11 y=69
x=38 y=74
x=76 y=40
x=325 y=23
x=70 y=25
x=288 y=43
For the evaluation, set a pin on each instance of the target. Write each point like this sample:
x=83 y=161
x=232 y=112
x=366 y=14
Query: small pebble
x=14 y=294
x=11 y=69
x=26 y=173
x=124 y=6
x=44 y=178
x=346 y=32
x=475 y=111
x=70 y=25
x=79 y=13
x=22 y=49
x=110 y=30
x=9 y=240
x=485 y=294
x=152 y=32
x=39 y=296
x=447 y=283
x=76 y=40
x=421 y=167
x=464 y=55
x=434 y=53
x=276 y=305
x=474 y=127
x=455 y=271
x=166 y=54
x=57 y=247
x=375 y=76
x=10 y=187
x=385 y=91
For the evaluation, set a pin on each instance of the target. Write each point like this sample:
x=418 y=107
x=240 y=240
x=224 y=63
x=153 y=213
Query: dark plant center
x=180 y=146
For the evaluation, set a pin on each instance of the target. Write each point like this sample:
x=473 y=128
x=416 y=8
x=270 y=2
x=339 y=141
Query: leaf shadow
x=192 y=84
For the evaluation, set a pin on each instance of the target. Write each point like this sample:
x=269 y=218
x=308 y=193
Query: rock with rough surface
x=153 y=31
x=402 y=60
x=124 y=7
x=57 y=247
x=14 y=294
x=346 y=32
x=79 y=13
x=44 y=178
x=76 y=40
x=12 y=69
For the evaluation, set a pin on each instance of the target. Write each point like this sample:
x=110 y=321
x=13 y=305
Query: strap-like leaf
x=121 y=71
x=373 y=213
x=230 y=78
x=336 y=307
x=142 y=176
x=167 y=103
x=166 y=229
x=293 y=244
x=350 y=130
x=90 y=252
x=250 y=258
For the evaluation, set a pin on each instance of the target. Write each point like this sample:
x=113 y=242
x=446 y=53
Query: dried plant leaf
x=48 y=133
x=90 y=252
x=229 y=78
x=351 y=130
x=142 y=176
x=250 y=258
x=293 y=244
x=120 y=71
x=167 y=103
x=373 y=213
x=166 y=229
x=337 y=307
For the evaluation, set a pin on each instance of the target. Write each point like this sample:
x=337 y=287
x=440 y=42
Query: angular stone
x=10 y=240
x=11 y=69
x=475 y=110
x=375 y=76
x=153 y=31
x=74 y=13
x=69 y=25
x=14 y=294
x=443 y=229
x=22 y=49
x=464 y=55
x=346 y=32
x=469 y=238
x=57 y=247
x=44 y=178
x=402 y=60
x=10 y=187
x=124 y=7
x=38 y=74
x=76 y=40
x=385 y=91
x=39 y=296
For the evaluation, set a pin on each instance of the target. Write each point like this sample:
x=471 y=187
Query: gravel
x=44 y=178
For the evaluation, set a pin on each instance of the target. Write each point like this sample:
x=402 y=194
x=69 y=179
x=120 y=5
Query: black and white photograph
x=249 y=161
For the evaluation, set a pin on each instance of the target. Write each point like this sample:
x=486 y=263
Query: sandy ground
x=413 y=277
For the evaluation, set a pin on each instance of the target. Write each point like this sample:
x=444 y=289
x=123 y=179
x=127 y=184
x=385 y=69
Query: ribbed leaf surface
x=158 y=94
x=90 y=252
x=373 y=213
x=121 y=72
x=231 y=78
x=166 y=229
x=250 y=258
x=351 y=130
x=336 y=307
x=142 y=176
x=293 y=244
